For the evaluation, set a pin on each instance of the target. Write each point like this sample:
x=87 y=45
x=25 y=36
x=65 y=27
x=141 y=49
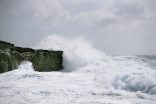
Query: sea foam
x=89 y=76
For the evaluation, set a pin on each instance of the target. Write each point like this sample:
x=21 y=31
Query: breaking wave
x=86 y=72
x=128 y=73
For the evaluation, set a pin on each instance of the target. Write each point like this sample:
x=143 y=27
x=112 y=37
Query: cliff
x=42 y=60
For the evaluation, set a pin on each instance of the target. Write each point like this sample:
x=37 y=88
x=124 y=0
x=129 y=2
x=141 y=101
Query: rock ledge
x=42 y=60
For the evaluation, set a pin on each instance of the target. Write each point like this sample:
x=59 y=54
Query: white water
x=89 y=77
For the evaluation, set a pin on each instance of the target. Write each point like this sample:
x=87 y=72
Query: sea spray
x=89 y=77
x=77 y=51
x=126 y=73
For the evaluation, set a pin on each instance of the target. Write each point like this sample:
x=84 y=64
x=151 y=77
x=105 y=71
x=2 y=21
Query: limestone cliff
x=42 y=60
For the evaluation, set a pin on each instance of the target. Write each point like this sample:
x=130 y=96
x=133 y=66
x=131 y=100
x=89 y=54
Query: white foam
x=77 y=51
x=126 y=73
x=93 y=78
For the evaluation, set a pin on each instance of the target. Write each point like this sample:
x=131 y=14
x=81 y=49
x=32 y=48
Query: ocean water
x=89 y=77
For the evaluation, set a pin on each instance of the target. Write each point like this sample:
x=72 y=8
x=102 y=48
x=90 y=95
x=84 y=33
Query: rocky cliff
x=42 y=60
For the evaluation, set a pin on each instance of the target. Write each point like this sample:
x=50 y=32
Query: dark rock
x=22 y=50
x=4 y=45
x=43 y=60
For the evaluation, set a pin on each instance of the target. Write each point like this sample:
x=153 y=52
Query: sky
x=112 y=26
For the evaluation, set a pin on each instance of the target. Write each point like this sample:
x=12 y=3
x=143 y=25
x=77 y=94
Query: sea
x=89 y=77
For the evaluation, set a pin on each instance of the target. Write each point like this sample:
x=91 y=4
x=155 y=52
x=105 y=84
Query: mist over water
x=89 y=76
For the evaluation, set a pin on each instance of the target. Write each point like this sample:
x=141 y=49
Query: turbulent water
x=88 y=77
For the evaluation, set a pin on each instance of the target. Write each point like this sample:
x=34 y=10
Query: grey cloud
x=99 y=17
x=129 y=10
x=150 y=4
x=114 y=26
x=29 y=21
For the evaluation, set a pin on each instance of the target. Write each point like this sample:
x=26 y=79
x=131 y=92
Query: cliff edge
x=42 y=60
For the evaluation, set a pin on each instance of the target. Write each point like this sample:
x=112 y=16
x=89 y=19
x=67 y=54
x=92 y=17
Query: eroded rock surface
x=42 y=60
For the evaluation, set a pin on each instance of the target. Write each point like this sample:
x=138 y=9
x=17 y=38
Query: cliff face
x=42 y=60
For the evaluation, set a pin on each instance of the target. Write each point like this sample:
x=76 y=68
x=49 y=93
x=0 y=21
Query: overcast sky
x=113 y=26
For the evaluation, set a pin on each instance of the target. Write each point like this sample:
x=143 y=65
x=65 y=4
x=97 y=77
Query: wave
x=77 y=51
x=130 y=73
x=87 y=72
